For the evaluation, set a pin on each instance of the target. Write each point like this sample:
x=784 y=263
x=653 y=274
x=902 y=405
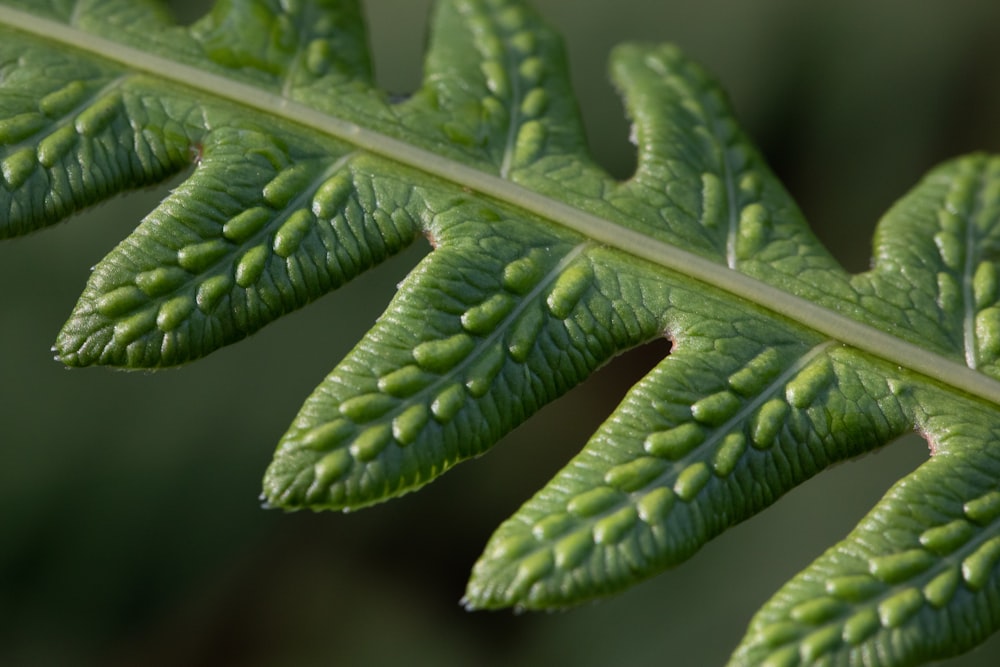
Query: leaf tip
x=265 y=504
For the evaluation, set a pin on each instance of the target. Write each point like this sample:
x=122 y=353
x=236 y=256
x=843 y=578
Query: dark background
x=130 y=530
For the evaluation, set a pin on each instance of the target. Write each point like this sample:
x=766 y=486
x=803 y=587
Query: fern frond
x=303 y=175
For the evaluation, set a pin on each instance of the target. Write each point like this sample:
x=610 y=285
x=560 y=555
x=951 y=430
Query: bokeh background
x=130 y=530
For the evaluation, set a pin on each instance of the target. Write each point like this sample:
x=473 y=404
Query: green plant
x=527 y=294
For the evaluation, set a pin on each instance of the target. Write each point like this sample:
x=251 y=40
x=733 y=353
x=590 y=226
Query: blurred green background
x=131 y=530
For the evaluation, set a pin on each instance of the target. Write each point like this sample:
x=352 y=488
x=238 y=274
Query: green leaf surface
x=301 y=175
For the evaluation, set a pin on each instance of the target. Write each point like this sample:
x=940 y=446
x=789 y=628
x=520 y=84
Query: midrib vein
x=796 y=309
x=968 y=291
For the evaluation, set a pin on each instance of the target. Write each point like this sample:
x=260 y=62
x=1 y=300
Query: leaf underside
x=296 y=190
